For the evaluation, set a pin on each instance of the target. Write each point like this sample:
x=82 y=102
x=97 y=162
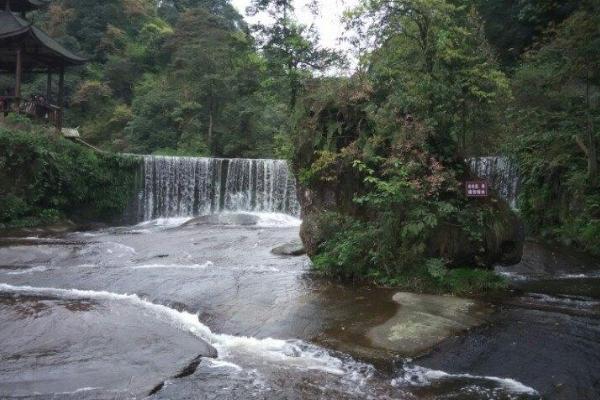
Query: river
x=167 y=309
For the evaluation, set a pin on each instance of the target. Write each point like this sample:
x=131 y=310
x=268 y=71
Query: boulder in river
x=293 y=248
x=422 y=321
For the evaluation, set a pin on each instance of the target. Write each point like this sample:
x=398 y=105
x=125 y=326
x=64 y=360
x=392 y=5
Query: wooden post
x=61 y=97
x=19 y=72
x=49 y=87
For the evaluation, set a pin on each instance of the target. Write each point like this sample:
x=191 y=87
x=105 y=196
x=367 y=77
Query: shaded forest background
x=180 y=77
x=459 y=78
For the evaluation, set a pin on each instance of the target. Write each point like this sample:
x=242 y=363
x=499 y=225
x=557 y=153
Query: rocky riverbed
x=206 y=310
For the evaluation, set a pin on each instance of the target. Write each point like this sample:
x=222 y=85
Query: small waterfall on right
x=502 y=175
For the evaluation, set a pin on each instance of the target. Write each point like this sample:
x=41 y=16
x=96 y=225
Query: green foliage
x=353 y=251
x=555 y=131
x=46 y=178
x=469 y=281
x=433 y=65
x=514 y=26
x=393 y=141
x=182 y=77
x=291 y=48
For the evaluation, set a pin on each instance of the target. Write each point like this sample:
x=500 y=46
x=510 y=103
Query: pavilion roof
x=24 y=5
x=39 y=51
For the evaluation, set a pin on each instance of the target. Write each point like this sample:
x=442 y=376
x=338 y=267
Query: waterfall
x=189 y=186
x=502 y=175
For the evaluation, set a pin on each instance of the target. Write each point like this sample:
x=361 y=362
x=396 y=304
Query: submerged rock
x=294 y=248
x=422 y=321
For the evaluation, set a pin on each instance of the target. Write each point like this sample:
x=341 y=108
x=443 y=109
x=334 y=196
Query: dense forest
x=181 y=77
x=436 y=81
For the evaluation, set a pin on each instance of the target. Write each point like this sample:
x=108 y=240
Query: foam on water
x=577 y=302
x=513 y=276
x=212 y=363
x=257 y=269
x=174 y=266
x=277 y=220
x=288 y=353
x=595 y=274
x=31 y=270
x=162 y=223
x=420 y=376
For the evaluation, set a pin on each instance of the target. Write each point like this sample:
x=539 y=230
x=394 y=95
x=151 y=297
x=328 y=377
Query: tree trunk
x=591 y=139
x=210 y=131
x=61 y=100
x=293 y=96
x=18 y=73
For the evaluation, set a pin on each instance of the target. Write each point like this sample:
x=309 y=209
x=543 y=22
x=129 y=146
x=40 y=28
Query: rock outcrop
x=503 y=237
x=294 y=248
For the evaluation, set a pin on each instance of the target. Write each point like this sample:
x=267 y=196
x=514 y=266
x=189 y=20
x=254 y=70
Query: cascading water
x=188 y=186
x=502 y=175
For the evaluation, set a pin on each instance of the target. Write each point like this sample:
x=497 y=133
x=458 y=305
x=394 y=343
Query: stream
x=168 y=309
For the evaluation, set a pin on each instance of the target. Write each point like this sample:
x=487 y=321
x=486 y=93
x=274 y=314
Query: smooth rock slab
x=86 y=348
x=422 y=321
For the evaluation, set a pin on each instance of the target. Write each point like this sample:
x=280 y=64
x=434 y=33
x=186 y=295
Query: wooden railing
x=39 y=110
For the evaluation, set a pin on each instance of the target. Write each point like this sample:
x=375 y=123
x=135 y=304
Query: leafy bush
x=45 y=178
x=358 y=251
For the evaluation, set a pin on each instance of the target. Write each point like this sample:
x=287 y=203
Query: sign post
x=478 y=188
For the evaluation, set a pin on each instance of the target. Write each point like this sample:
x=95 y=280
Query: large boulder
x=340 y=155
x=503 y=236
x=503 y=239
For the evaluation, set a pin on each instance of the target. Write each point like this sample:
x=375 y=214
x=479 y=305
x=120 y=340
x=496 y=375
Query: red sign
x=476 y=188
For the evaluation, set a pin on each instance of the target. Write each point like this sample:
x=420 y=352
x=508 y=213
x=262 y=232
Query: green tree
x=555 y=131
x=292 y=49
x=512 y=26
x=432 y=65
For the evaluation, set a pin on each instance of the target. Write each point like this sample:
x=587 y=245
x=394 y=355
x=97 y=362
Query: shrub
x=44 y=178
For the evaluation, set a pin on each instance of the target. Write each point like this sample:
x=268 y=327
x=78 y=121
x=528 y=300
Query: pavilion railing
x=39 y=110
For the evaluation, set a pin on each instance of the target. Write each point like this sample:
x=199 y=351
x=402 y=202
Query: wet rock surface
x=544 y=262
x=293 y=248
x=547 y=337
x=556 y=353
x=155 y=294
x=223 y=219
x=64 y=343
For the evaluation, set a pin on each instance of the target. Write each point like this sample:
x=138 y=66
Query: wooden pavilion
x=25 y=48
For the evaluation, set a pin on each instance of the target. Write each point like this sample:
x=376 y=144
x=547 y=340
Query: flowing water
x=502 y=175
x=169 y=310
x=185 y=186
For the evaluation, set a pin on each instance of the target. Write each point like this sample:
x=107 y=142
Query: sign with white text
x=476 y=188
